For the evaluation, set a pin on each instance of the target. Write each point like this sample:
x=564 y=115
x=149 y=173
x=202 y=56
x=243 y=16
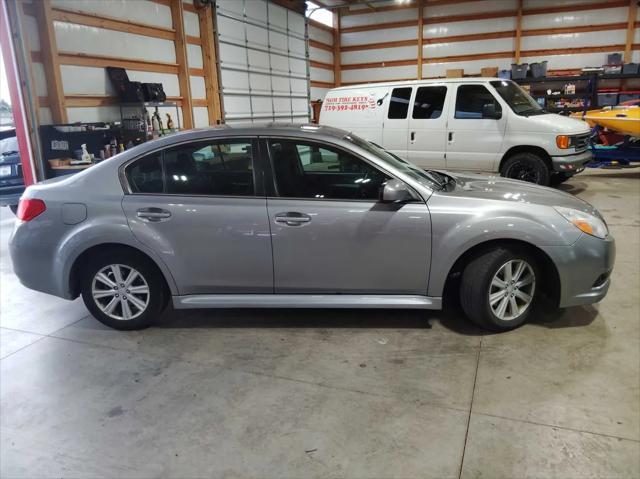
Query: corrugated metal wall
x=263 y=61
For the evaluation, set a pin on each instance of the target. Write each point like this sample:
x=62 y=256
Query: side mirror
x=489 y=111
x=395 y=191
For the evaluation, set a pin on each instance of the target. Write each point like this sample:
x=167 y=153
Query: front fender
x=457 y=229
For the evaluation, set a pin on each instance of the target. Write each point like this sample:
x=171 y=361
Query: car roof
x=266 y=129
x=420 y=82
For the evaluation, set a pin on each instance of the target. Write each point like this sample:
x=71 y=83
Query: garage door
x=263 y=62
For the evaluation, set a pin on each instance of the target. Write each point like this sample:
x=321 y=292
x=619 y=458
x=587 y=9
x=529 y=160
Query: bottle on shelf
x=169 y=123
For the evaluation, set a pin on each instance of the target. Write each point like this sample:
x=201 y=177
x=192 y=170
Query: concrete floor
x=278 y=394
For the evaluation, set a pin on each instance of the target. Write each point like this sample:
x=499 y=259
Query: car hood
x=513 y=191
x=552 y=122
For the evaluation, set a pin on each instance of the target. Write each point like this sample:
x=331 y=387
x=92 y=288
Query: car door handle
x=413 y=136
x=153 y=214
x=450 y=137
x=292 y=218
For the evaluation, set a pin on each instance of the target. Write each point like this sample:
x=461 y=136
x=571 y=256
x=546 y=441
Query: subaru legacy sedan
x=303 y=217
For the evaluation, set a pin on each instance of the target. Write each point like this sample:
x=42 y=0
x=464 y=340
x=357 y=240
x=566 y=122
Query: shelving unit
x=139 y=135
x=587 y=87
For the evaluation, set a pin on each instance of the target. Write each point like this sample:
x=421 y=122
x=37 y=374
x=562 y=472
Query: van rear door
x=428 y=126
x=395 y=130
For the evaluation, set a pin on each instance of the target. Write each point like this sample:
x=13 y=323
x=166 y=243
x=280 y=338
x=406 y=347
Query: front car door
x=395 y=126
x=200 y=205
x=476 y=129
x=428 y=127
x=330 y=232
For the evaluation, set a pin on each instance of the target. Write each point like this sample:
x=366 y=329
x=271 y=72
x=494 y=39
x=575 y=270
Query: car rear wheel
x=498 y=289
x=123 y=290
x=526 y=166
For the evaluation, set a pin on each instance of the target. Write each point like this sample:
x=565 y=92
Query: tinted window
x=399 y=103
x=429 y=102
x=307 y=170
x=210 y=168
x=472 y=99
x=145 y=174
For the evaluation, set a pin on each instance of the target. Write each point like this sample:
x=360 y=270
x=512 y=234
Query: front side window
x=399 y=103
x=309 y=170
x=213 y=168
x=429 y=102
x=475 y=102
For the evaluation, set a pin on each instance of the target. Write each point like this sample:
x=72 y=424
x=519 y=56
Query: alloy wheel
x=511 y=290
x=120 y=291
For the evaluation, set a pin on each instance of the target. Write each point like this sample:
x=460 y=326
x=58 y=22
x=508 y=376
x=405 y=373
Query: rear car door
x=201 y=206
x=330 y=232
x=428 y=127
x=395 y=127
x=476 y=129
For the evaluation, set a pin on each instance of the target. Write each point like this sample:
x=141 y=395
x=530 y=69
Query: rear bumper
x=584 y=269
x=571 y=163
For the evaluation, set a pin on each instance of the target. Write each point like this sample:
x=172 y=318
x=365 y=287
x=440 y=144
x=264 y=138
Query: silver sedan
x=306 y=217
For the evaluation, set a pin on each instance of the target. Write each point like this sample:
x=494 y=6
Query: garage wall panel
x=320 y=55
x=379 y=54
x=573 y=18
x=375 y=36
x=99 y=41
x=378 y=17
x=198 y=90
x=151 y=13
x=369 y=75
x=469 y=27
x=194 y=56
x=318 y=93
x=191 y=23
x=465 y=8
x=436 y=50
x=263 y=61
x=320 y=35
x=574 y=40
x=471 y=67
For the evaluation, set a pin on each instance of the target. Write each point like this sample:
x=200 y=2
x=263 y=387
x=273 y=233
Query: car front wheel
x=498 y=289
x=123 y=290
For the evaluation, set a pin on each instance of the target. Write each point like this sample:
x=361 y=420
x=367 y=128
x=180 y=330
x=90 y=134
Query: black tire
x=475 y=288
x=14 y=209
x=157 y=295
x=526 y=166
x=559 y=177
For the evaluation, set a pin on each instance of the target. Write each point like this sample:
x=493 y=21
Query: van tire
x=526 y=166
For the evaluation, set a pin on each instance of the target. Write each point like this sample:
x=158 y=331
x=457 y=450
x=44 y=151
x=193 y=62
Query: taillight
x=29 y=208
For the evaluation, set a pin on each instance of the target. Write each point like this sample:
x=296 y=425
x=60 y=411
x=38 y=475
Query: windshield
x=431 y=180
x=519 y=100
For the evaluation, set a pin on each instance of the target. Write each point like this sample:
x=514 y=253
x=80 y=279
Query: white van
x=471 y=124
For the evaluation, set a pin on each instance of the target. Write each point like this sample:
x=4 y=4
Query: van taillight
x=29 y=208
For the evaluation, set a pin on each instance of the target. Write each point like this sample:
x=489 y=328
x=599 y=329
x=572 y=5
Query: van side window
x=476 y=102
x=429 y=102
x=399 y=103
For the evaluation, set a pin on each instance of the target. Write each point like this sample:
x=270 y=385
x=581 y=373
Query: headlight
x=585 y=222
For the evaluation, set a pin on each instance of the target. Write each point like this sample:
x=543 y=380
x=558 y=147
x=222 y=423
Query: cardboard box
x=455 y=73
x=489 y=72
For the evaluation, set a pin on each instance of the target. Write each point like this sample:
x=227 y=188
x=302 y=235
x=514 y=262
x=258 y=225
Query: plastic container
x=607 y=97
x=612 y=69
x=519 y=72
x=506 y=74
x=614 y=59
x=630 y=68
x=539 y=70
x=628 y=96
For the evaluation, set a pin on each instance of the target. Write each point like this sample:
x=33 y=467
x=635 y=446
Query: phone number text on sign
x=348 y=103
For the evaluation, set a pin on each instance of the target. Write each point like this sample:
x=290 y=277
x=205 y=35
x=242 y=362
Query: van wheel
x=526 y=166
x=498 y=289
x=123 y=290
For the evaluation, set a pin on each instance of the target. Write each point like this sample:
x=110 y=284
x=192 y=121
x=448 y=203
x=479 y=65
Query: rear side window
x=471 y=100
x=399 y=103
x=429 y=102
x=145 y=175
x=212 y=168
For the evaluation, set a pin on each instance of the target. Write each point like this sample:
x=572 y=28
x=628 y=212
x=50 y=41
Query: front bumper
x=572 y=163
x=584 y=269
